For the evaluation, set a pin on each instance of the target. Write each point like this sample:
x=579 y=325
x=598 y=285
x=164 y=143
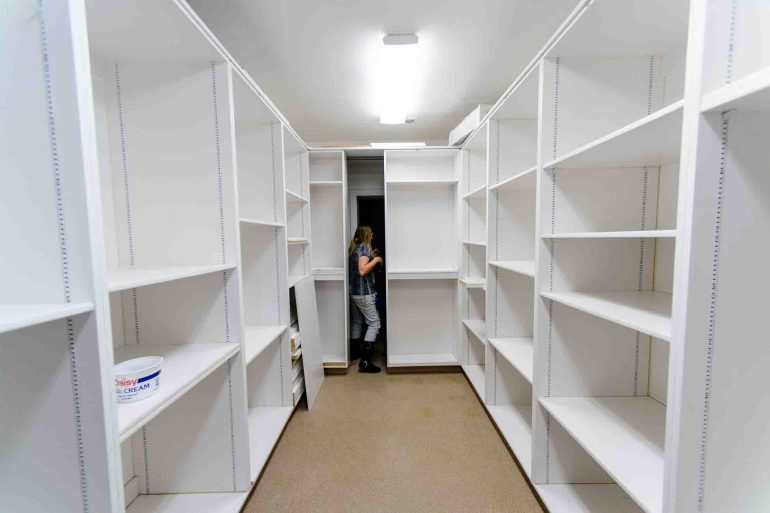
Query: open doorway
x=371 y=212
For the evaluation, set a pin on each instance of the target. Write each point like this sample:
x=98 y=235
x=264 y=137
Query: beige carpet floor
x=392 y=443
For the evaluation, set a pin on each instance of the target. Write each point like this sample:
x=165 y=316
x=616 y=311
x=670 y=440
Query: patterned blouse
x=357 y=284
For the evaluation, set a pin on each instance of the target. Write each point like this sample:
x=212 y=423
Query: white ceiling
x=316 y=60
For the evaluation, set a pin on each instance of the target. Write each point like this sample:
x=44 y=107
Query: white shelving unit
x=328 y=206
x=421 y=202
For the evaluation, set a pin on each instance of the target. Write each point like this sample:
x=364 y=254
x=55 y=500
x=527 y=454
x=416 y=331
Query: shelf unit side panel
x=421 y=316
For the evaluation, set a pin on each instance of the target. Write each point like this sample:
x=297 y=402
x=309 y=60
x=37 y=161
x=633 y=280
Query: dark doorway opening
x=371 y=212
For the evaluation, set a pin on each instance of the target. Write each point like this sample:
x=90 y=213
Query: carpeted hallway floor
x=412 y=443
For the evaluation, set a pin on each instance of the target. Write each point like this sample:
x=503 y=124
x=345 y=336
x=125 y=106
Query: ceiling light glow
x=396 y=74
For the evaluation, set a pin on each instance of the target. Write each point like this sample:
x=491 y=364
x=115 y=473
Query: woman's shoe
x=365 y=364
x=355 y=349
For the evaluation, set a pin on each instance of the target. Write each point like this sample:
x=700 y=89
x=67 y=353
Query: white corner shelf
x=625 y=436
x=326 y=183
x=478 y=328
x=189 y=503
x=295 y=278
x=421 y=360
x=478 y=192
x=473 y=282
x=751 y=92
x=474 y=243
x=524 y=267
x=293 y=197
x=518 y=352
x=257 y=222
x=648 y=311
x=436 y=181
x=124 y=278
x=265 y=427
x=654 y=140
x=586 y=498
x=633 y=234
x=515 y=423
x=423 y=274
x=475 y=374
x=328 y=273
x=525 y=180
x=258 y=338
x=297 y=240
x=184 y=366
x=14 y=317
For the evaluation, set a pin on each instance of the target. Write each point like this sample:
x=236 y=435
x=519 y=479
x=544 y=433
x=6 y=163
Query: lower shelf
x=335 y=361
x=586 y=498
x=517 y=352
x=421 y=360
x=515 y=423
x=475 y=375
x=258 y=338
x=13 y=317
x=265 y=426
x=189 y=503
x=478 y=328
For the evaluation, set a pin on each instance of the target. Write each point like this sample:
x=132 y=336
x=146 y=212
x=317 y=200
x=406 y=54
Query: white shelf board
x=525 y=180
x=478 y=328
x=124 y=278
x=651 y=141
x=293 y=197
x=437 y=181
x=258 y=338
x=751 y=92
x=335 y=361
x=515 y=423
x=294 y=278
x=184 y=366
x=648 y=311
x=473 y=282
x=328 y=273
x=586 y=498
x=624 y=435
x=423 y=274
x=13 y=317
x=421 y=360
x=326 y=183
x=297 y=240
x=517 y=352
x=476 y=193
x=266 y=424
x=189 y=503
x=633 y=234
x=525 y=267
x=475 y=374
x=474 y=243
x=257 y=222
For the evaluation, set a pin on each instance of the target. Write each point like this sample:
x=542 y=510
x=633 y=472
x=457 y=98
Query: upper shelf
x=478 y=328
x=473 y=282
x=436 y=181
x=525 y=267
x=525 y=180
x=326 y=183
x=256 y=222
x=13 y=317
x=633 y=234
x=654 y=140
x=258 y=338
x=751 y=92
x=422 y=274
x=293 y=197
x=624 y=435
x=518 y=352
x=124 y=278
x=184 y=366
x=478 y=192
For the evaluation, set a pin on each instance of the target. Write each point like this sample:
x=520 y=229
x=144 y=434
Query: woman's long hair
x=363 y=235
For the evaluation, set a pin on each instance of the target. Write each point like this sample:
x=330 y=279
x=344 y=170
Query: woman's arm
x=365 y=265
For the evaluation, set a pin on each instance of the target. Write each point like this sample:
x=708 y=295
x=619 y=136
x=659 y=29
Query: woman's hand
x=378 y=259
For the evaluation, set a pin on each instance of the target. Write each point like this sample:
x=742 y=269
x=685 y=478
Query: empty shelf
x=293 y=197
x=475 y=374
x=586 y=498
x=478 y=192
x=265 y=427
x=517 y=352
x=437 y=181
x=651 y=141
x=326 y=183
x=329 y=273
x=256 y=222
x=294 y=278
x=335 y=361
x=633 y=234
x=474 y=282
x=257 y=338
x=189 y=503
x=124 y=278
x=421 y=360
x=423 y=274
x=624 y=435
x=184 y=366
x=751 y=92
x=515 y=423
x=297 y=240
x=648 y=311
x=525 y=267
x=13 y=317
x=478 y=328
x=474 y=243
x=526 y=180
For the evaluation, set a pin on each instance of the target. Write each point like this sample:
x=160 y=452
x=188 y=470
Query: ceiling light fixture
x=391 y=145
x=396 y=77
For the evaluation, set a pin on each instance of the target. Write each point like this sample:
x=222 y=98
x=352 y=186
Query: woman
x=361 y=262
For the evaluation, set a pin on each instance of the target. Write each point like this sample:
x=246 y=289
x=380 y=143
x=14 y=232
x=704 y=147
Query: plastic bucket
x=138 y=378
